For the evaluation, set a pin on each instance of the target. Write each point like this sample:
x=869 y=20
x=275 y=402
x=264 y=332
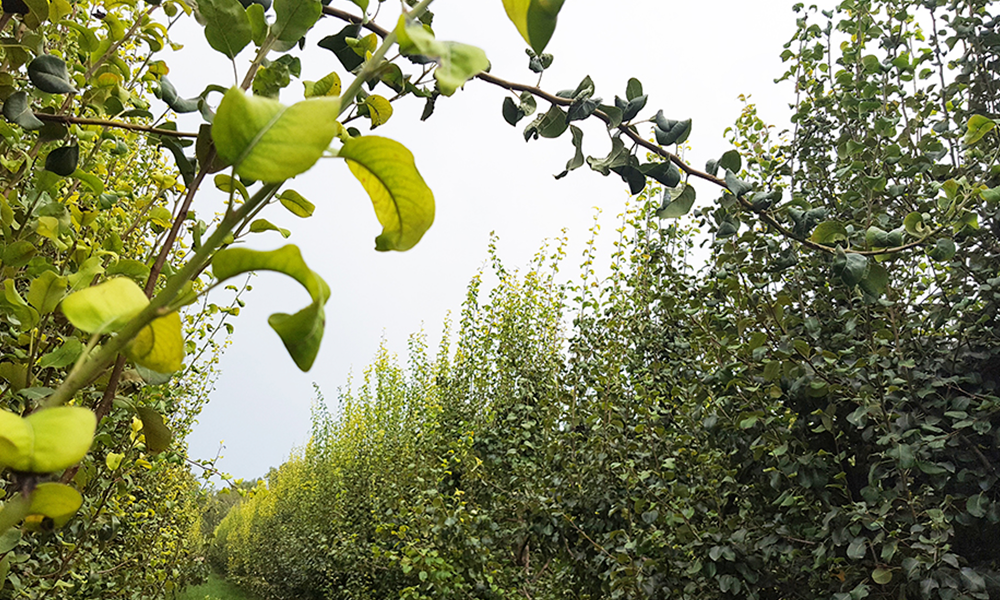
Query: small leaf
x=294 y=202
x=113 y=460
x=329 y=85
x=302 y=332
x=17 y=109
x=670 y=132
x=731 y=161
x=856 y=549
x=633 y=89
x=227 y=26
x=267 y=141
x=829 y=232
x=881 y=576
x=159 y=346
x=106 y=307
x=158 y=436
x=534 y=19
x=403 y=203
x=379 y=109
x=262 y=225
x=48 y=73
x=736 y=185
x=978 y=127
x=62 y=161
x=63 y=356
x=511 y=112
x=56 y=501
x=680 y=206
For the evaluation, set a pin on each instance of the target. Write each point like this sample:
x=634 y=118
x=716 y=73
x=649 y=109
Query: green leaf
x=8 y=541
x=665 y=172
x=633 y=89
x=736 y=185
x=158 y=436
x=227 y=26
x=876 y=281
x=914 y=224
x=881 y=576
x=48 y=73
x=978 y=127
x=63 y=356
x=38 y=13
x=62 y=161
x=403 y=203
x=262 y=225
x=106 y=307
x=977 y=505
x=856 y=549
x=56 y=501
x=46 y=291
x=852 y=268
x=534 y=19
x=943 y=250
x=329 y=85
x=457 y=63
x=47 y=440
x=18 y=254
x=302 y=332
x=114 y=460
x=362 y=4
x=296 y=204
x=551 y=124
x=679 y=206
x=578 y=159
x=258 y=23
x=267 y=141
x=294 y=18
x=829 y=232
x=989 y=195
x=731 y=161
x=159 y=346
x=670 y=132
x=17 y=109
x=133 y=269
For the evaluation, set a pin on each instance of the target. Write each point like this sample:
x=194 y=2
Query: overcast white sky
x=694 y=60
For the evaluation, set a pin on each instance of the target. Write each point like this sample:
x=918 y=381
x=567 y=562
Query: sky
x=694 y=59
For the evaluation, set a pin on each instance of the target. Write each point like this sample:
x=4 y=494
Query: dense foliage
x=813 y=415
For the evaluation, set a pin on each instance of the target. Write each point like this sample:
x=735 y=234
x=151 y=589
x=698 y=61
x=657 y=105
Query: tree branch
x=68 y=119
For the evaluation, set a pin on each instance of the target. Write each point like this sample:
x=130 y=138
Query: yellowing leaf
x=534 y=19
x=379 y=109
x=159 y=346
x=403 y=203
x=106 y=307
x=56 y=501
x=47 y=440
x=327 y=86
x=113 y=460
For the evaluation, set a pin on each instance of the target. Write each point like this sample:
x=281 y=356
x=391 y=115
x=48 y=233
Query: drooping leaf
x=534 y=19
x=679 y=206
x=106 y=307
x=379 y=109
x=48 y=73
x=578 y=159
x=552 y=124
x=944 y=249
x=731 y=161
x=46 y=291
x=302 y=332
x=737 y=186
x=670 y=132
x=158 y=435
x=267 y=141
x=296 y=204
x=262 y=225
x=665 y=172
x=17 y=109
x=829 y=232
x=159 y=346
x=457 y=63
x=294 y=18
x=619 y=156
x=851 y=268
x=56 y=501
x=403 y=203
x=977 y=128
x=227 y=26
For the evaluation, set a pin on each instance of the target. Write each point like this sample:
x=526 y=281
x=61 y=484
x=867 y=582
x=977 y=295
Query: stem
x=158 y=305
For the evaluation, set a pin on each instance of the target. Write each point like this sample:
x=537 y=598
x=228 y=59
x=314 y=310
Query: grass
x=216 y=588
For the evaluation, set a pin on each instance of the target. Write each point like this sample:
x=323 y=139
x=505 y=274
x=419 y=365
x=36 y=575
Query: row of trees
x=813 y=415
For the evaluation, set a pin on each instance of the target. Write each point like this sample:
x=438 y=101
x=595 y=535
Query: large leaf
x=49 y=74
x=403 y=203
x=669 y=131
x=106 y=307
x=457 y=63
x=227 y=26
x=302 y=332
x=679 y=206
x=534 y=19
x=268 y=141
x=56 y=501
x=47 y=440
x=829 y=232
x=294 y=18
x=17 y=109
x=46 y=291
x=159 y=346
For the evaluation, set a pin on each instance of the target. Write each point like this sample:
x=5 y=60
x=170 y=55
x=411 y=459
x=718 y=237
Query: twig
x=68 y=119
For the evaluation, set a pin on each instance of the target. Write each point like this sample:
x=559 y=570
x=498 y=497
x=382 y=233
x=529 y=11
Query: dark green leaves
x=403 y=203
x=48 y=73
x=17 y=109
x=63 y=161
x=944 y=249
x=267 y=141
x=671 y=132
x=829 y=232
x=851 y=268
x=551 y=124
x=302 y=332
x=295 y=18
x=158 y=436
x=534 y=19
x=227 y=27
x=337 y=44
x=678 y=206
x=665 y=172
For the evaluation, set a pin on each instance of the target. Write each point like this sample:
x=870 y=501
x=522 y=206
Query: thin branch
x=68 y=119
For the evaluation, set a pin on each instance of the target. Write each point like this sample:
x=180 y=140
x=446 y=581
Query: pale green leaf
x=106 y=307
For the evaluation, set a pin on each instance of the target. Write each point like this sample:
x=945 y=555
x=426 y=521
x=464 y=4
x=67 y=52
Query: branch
x=67 y=120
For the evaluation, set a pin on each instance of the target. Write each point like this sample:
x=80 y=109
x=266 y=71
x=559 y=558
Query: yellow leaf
x=159 y=346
